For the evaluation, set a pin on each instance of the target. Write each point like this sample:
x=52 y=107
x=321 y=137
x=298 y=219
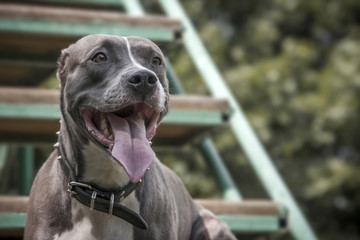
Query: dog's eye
x=99 y=57
x=156 y=61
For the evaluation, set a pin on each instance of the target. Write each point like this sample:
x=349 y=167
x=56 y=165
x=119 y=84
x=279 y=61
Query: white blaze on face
x=162 y=95
x=133 y=59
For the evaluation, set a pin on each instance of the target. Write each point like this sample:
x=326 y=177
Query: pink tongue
x=131 y=147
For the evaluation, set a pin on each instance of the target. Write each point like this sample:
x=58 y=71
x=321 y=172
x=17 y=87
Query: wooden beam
x=259 y=217
x=18 y=204
x=31 y=114
x=248 y=207
x=72 y=15
x=28 y=95
x=13 y=204
x=44 y=96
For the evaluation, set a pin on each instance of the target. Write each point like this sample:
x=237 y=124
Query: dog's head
x=114 y=92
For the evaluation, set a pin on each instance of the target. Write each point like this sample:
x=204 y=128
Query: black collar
x=105 y=200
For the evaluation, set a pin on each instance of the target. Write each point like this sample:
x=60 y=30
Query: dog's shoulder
x=47 y=202
x=203 y=223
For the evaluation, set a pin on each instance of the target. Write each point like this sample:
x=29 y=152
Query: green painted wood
x=30 y=111
x=4 y=150
x=26 y=169
x=12 y=220
x=78 y=29
x=52 y=112
x=194 y=117
x=85 y=2
x=228 y=186
x=252 y=223
x=236 y=223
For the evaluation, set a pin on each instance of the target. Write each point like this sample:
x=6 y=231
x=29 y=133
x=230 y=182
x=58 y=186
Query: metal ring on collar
x=111 y=206
x=92 y=202
x=78 y=184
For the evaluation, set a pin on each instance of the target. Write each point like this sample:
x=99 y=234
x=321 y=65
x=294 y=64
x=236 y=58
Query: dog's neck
x=101 y=169
x=90 y=162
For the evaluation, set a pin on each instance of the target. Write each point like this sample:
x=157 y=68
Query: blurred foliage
x=294 y=67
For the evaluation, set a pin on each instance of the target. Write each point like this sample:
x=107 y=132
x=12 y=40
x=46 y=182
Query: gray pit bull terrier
x=103 y=181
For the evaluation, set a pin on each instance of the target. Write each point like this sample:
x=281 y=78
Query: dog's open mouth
x=126 y=133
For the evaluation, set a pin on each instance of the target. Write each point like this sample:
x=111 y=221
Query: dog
x=103 y=181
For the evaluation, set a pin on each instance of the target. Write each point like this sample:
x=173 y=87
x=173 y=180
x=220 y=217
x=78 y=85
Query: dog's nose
x=142 y=80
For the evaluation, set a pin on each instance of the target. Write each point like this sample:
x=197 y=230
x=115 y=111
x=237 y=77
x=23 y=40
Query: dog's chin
x=125 y=135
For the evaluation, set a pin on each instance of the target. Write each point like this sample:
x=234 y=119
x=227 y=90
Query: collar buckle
x=78 y=184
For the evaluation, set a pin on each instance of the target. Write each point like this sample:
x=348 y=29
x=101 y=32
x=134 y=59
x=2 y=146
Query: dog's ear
x=62 y=64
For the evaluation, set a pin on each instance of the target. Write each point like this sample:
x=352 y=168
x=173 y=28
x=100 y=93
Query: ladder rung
x=33 y=114
x=86 y=3
x=44 y=96
x=79 y=22
x=241 y=216
x=248 y=207
x=18 y=204
x=13 y=204
x=12 y=225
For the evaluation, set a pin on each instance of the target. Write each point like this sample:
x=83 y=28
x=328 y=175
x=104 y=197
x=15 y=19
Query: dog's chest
x=91 y=225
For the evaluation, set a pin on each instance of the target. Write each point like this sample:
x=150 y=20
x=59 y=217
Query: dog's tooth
x=103 y=124
x=140 y=115
x=106 y=132
x=111 y=138
x=58 y=133
x=104 y=127
x=56 y=145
